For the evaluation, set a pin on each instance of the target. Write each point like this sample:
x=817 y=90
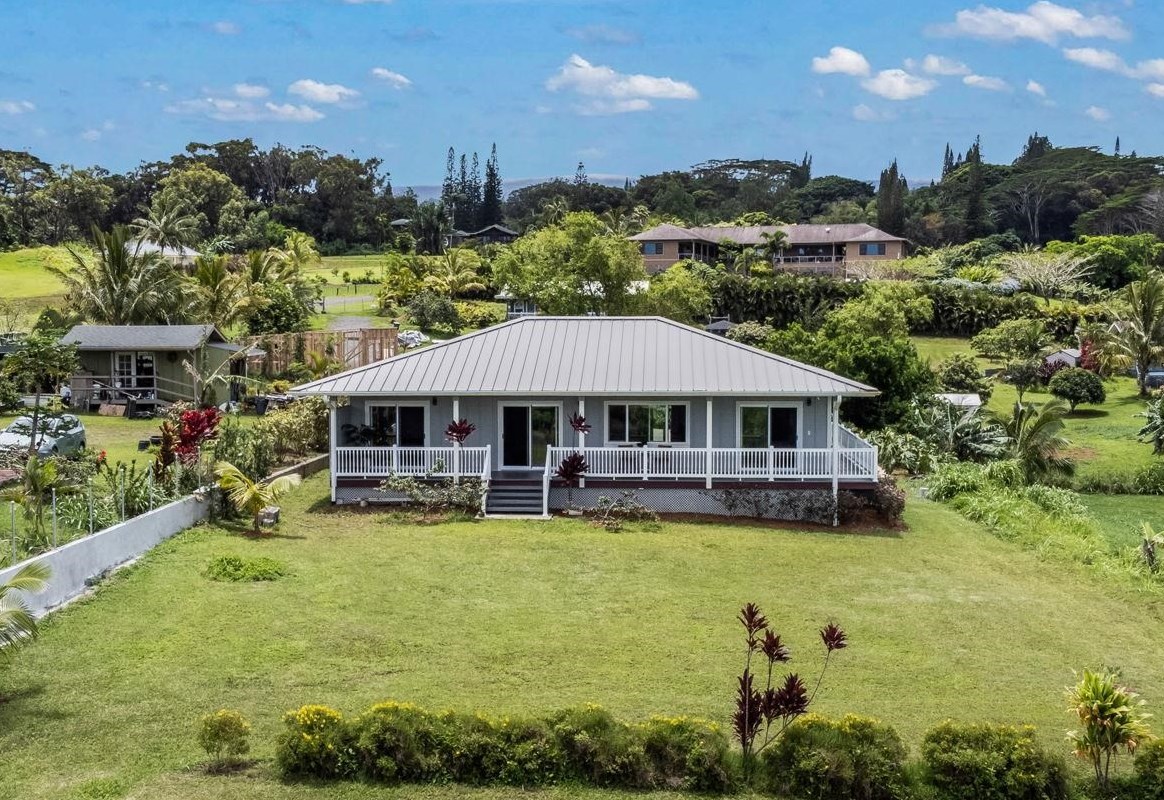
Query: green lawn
x=521 y=617
x=1120 y=516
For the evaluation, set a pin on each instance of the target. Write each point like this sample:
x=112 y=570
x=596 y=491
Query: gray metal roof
x=754 y=234
x=145 y=246
x=548 y=356
x=142 y=337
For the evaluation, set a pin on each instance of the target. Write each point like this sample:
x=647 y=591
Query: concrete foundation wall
x=77 y=563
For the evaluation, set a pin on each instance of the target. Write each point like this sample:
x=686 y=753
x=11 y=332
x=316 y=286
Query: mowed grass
x=117 y=436
x=525 y=617
x=23 y=273
x=1121 y=517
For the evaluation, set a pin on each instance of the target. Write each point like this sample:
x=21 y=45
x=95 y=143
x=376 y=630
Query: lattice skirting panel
x=794 y=505
x=356 y=494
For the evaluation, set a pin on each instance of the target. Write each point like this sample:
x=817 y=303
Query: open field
x=512 y=617
x=1120 y=516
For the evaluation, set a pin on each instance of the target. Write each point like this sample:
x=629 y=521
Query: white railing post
x=836 y=406
x=707 y=453
x=771 y=457
x=546 y=485
x=395 y=459
x=645 y=470
x=333 y=413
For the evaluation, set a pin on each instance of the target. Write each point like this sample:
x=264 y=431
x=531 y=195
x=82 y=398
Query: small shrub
x=224 y=736
x=399 y=743
x=991 y=762
x=951 y=480
x=235 y=569
x=1111 y=719
x=480 y=315
x=905 y=452
x=612 y=513
x=1077 y=386
x=1007 y=473
x=298 y=428
x=1053 y=500
x=599 y=750
x=9 y=397
x=433 y=496
x=251 y=448
x=430 y=311
x=888 y=500
x=960 y=373
x=317 y=743
x=1149 y=780
x=686 y=754
x=853 y=757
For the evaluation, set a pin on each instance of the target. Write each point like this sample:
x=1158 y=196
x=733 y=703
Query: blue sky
x=628 y=87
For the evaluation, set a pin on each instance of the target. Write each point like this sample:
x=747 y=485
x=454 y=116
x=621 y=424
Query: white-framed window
x=763 y=425
x=397 y=424
x=872 y=248
x=652 y=248
x=646 y=423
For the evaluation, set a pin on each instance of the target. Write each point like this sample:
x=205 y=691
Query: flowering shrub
x=853 y=757
x=991 y=762
x=223 y=735
x=318 y=743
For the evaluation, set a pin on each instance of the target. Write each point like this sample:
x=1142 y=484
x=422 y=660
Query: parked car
x=62 y=434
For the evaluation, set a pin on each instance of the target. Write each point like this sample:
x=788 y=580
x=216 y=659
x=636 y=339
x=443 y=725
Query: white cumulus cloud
x=318 y=92
x=225 y=28
x=1098 y=114
x=1034 y=87
x=940 y=65
x=1097 y=59
x=16 y=107
x=1043 y=21
x=227 y=109
x=1155 y=89
x=986 y=82
x=290 y=112
x=607 y=91
x=393 y=79
x=864 y=113
x=842 y=60
x=897 y=84
x=251 y=90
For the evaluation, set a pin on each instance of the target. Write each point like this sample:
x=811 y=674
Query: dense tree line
x=246 y=197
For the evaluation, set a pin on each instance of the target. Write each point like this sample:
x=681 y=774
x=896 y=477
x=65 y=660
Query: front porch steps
x=514 y=499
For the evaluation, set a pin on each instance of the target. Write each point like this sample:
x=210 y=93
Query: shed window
x=646 y=424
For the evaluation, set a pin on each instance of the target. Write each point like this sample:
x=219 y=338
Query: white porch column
x=456 y=445
x=582 y=437
x=835 y=436
x=707 y=445
x=332 y=459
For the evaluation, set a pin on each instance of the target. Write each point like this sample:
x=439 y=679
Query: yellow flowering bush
x=317 y=743
x=224 y=736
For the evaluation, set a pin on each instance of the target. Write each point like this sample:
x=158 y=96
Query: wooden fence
x=347 y=349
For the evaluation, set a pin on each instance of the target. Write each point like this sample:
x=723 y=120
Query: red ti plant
x=579 y=423
x=762 y=716
x=194 y=428
x=572 y=468
x=459 y=430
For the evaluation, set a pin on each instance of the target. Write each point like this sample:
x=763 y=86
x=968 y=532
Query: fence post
x=150 y=484
x=54 y=518
x=90 y=506
x=122 y=492
x=12 y=515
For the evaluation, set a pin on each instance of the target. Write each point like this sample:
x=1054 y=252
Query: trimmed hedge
x=819 y=759
x=1149 y=781
x=402 y=743
x=991 y=762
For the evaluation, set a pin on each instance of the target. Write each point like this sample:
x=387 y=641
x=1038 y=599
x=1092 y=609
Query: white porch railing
x=381 y=462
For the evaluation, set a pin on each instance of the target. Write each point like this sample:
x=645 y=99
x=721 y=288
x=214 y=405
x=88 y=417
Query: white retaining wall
x=77 y=563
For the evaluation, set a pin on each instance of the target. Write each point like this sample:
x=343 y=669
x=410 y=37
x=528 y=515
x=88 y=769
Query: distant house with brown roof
x=811 y=247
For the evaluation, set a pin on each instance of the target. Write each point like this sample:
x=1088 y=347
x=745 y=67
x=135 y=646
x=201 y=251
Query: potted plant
x=572 y=468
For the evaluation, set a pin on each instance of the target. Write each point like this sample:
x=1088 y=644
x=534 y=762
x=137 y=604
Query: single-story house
x=494 y=234
x=178 y=256
x=1068 y=357
x=146 y=364
x=689 y=420
x=808 y=247
x=515 y=306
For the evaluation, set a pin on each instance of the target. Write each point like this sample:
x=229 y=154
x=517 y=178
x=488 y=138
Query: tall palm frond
x=117 y=284
x=455 y=273
x=249 y=496
x=17 y=624
x=1139 y=333
x=297 y=253
x=169 y=225
x=219 y=295
x=1037 y=441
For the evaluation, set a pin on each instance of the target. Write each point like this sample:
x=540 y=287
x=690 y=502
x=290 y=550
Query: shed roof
x=624 y=356
x=754 y=234
x=495 y=227
x=145 y=246
x=142 y=337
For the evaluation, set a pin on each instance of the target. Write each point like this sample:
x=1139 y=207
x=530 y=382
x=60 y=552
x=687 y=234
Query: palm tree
x=34 y=493
x=118 y=284
x=17 y=625
x=297 y=253
x=167 y=224
x=249 y=496
x=455 y=272
x=553 y=211
x=430 y=224
x=1037 y=441
x=1153 y=430
x=219 y=295
x=774 y=244
x=1140 y=333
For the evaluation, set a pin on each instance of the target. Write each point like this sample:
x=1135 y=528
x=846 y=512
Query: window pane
x=383 y=425
x=543 y=432
x=678 y=423
x=616 y=423
x=784 y=428
x=639 y=423
x=658 y=417
x=753 y=426
x=410 y=432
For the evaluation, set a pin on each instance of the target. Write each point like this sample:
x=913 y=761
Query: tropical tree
x=169 y=223
x=297 y=253
x=1046 y=274
x=1153 y=430
x=34 y=494
x=118 y=284
x=220 y=296
x=1140 y=331
x=1111 y=719
x=773 y=245
x=1037 y=442
x=1076 y=385
x=17 y=624
x=249 y=496
x=455 y=272
x=38 y=361
x=430 y=223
